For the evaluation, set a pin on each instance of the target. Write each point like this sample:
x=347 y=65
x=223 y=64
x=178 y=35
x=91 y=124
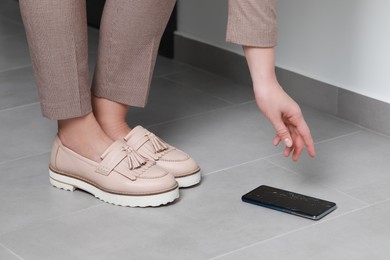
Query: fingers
x=283 y=134
x=287 y=151
x=295 y=136
x=298 y=143
x=298 y=147
x=277 y=140
x=304 y=132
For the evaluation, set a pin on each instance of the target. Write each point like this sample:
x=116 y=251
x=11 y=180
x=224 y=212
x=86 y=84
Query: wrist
x=266 y=84
x=267 y=80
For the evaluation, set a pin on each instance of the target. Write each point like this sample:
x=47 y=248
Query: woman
x=95 y=150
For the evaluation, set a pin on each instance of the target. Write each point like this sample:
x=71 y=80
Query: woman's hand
x=286 y=117
x=283 y=113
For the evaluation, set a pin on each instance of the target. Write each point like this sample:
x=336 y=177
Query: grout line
x=10 y=20
x=23 y=157
x=198 y=90
x=282 y=167
x=240 y=164
x=10 y=251
x=262 y=241
x=338 y=118
x=322 y=141
x=338 y=137
x=37 y=224
x=345 y=194
x=197 y=114
x=298 y=229
x=251 y=161
x=12 y=35
x=357 y=125
x=191 y=66
x=76 y=211
x=18 y=107
x=266 y=158
x=324 y=185
x=15 y=68
x=231 y=167
x=213 y=74
x=375 y=132
x=354 y=210
x=171 y=73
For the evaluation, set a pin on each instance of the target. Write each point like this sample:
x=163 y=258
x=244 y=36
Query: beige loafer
x=123 y=177
x=167 y=157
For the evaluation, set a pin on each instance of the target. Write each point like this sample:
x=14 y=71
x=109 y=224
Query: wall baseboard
x=356 y=108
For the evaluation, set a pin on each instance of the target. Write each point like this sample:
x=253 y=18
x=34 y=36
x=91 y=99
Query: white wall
x=345 y=43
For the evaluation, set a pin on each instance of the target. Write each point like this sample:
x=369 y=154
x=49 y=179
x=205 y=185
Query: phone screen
x=289 y=202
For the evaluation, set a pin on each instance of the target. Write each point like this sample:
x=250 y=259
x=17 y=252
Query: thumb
x=283 y=133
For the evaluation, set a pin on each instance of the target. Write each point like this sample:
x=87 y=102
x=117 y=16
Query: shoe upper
x=122 y=170
x=166 y=156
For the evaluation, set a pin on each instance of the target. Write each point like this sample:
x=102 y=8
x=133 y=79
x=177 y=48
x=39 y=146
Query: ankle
x=115 y=130
x=84 y=136
x=111 y=117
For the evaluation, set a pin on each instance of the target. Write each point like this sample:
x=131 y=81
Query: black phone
x=289 y=202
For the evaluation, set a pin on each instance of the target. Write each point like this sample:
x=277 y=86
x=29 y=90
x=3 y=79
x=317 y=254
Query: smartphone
x=289 y=202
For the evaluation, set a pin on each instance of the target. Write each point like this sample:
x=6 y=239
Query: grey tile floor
x=217 y=122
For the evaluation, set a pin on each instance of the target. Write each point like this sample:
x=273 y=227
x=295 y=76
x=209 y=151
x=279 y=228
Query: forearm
x=252 y=24
x=261 y=63
x=282 y=111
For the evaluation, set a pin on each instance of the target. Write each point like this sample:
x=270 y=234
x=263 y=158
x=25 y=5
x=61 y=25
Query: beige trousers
x=129 y=38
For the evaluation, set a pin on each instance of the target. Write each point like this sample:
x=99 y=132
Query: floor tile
x=93 y=40
x=8 y=27
x=223 y=138
x=17 y=87
x=169 y=100
x=193 y=77
x=6 y=254
x=24 y=132
x=350 y=162
x=218 y=123
x=208 y=220
x=375 y=191
x=27 y=198
x=165 y=66
x=214 y=85
x=324 y=126
x=359 y=236
x=14 y=52
x=237 y=134
x=12 y=15
x=7 y=5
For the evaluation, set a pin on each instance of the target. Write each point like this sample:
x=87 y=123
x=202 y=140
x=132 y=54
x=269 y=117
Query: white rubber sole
x=189 y=180
x=70 y=184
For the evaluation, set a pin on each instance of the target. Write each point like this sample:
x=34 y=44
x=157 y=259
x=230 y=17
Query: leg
x=111 y=117
x=57 y=36
x=130 y=35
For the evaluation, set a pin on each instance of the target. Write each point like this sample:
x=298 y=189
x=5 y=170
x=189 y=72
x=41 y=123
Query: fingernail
x=287 y=142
